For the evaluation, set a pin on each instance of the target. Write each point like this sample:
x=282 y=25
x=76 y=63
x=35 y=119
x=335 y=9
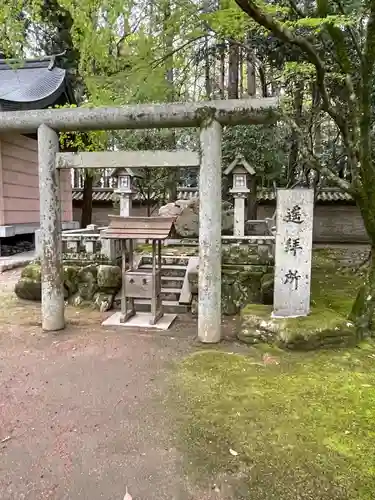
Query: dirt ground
x=82 y=412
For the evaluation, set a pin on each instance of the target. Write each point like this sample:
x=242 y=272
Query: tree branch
x=314 y=161
x=159 y=61
x=284 y=34
x=367 y=76
x=296 y=9
x=352 y=34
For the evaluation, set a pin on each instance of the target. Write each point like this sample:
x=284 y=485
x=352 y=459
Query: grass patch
x=334 y=289
x=303 y=428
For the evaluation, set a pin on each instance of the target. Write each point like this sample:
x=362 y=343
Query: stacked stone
x=89 y=285
x=247 y=277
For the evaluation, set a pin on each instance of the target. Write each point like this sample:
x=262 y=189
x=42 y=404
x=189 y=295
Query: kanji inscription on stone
x=294 y=227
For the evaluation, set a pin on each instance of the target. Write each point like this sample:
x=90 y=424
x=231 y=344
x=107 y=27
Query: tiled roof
x=325 y=195
x=264 y=195
x=30 y=84
x=102 y=194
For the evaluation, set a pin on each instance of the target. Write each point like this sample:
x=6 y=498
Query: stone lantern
x=124 y=189
x=241 y=171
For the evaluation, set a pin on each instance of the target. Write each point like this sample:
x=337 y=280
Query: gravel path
x=82 y=412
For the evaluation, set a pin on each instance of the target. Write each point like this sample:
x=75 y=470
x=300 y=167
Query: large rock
x=238 y=287
x=28 y=289
x=322 y=328
x=70 y=278
x=109 y=278
x=187 y=217
x=103 y=301
x=87 y=284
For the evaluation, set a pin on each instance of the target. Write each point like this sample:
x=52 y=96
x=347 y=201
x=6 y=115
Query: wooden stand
x=136 y=283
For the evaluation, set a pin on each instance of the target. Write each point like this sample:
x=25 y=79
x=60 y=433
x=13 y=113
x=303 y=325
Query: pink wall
x=19 y=188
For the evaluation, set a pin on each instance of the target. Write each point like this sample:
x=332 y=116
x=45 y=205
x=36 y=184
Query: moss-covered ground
x=266 y=424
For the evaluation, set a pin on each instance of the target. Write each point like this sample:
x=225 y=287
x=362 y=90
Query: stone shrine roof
x=33 y=84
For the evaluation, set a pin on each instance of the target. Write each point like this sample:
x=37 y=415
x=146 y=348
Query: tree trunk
x=173 y=174
x=233 y=67
x=86 y=214
x=294 y=142
x=263 y=83
x=251 y=81
x=363 y=308
x=252 y=205
x=364 y=305
x=222 y=70
x=251 y=201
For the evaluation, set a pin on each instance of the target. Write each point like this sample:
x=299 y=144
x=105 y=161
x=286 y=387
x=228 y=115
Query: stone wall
x=101 y=212
x=333 y=223
x=247 y=277
x=94 y=284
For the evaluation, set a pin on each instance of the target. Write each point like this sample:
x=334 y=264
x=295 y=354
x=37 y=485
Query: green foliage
x=229 y=21
x=264 y=148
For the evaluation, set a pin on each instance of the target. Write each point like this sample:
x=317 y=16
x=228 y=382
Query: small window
x=239 y=181
x=124 y=181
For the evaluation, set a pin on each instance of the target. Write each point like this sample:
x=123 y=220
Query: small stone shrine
x=125 y=189
x=241 y=171
x=140 y=283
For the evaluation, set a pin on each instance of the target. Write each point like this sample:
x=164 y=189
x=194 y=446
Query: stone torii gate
x=209 y=116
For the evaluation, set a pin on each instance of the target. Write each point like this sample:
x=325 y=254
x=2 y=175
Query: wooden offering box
x=140 y=284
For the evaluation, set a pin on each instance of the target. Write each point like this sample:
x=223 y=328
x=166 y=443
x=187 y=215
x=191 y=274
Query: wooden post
x=159 y=303
x=209 y=298
x=50 y=228
x=154 y=287
x=124 y=309
x=131 y=268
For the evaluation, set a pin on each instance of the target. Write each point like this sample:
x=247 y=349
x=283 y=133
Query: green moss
x=326 y=257
x=261 y=310
x=144 y=248
x=322 y=328
x=302 y=428
x=319 y=318
x=32 y=271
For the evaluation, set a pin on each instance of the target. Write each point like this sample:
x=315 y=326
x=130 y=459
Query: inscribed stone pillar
x=50 y=231
x=209 y=297
x=294 y=227
x=239 y=214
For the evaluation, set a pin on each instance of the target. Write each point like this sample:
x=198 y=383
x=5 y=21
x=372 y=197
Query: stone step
x=167 y=260
x=169 y=306
x=185 y=242
x=172 y=282
x=168 y=294
x=168 y=270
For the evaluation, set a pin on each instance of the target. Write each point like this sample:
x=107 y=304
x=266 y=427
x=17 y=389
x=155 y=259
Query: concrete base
x=14 y=229
x=140 y=320
x=17 y=260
